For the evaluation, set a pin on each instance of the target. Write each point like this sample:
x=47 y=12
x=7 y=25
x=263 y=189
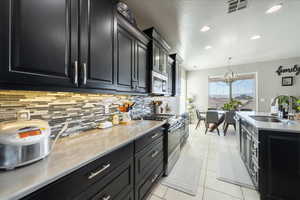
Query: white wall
x=269 y=83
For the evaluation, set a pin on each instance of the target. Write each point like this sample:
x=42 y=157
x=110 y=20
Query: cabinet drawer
x=144 y=188
x=128 y=196
x=74 y=183
x=148 y=139
x=116 y=186
x=148 y=159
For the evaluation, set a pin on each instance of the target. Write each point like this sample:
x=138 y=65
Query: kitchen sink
x=266 y=119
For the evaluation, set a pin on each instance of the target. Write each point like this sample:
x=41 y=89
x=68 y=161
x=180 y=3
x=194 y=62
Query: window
x=243 y=89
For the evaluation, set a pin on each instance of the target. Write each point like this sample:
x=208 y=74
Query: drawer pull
x=154 y=136
x=154 y=178
x=84 y=73
x=154 y=154
x=106 y=198
x=76 y=73
x=93 y=174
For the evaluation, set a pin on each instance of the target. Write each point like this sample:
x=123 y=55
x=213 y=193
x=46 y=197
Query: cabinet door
x=156 y=57
x=129 y=196
x=142 y=67
x=97 y=26
x=120 y=183
x=178 y=79
x=170 y=78
x=41 y=44
x=163 y=60
x=144 y=188
x=125 y=59
x=282 y=165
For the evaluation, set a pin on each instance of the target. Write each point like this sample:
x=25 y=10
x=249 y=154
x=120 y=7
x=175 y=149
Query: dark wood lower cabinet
x=119 y=175
x=149 y=162
x=128 y=196
x=148 y=159
x=272 y=159
x=280 y=168
x=119 y=183
x=144 y=187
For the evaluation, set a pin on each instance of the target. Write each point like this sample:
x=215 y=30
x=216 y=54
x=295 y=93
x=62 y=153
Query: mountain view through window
x=243 y=90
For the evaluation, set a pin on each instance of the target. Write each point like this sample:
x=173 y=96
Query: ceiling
x=180 y=21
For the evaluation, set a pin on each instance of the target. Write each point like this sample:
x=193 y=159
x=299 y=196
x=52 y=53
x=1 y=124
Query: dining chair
x=229 y=120
x=212 y=117
x=199 y=117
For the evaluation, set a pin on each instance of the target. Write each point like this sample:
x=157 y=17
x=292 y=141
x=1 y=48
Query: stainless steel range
x=175 y=130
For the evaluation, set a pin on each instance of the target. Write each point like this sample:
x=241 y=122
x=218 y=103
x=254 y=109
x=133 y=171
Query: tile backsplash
x=82 y=111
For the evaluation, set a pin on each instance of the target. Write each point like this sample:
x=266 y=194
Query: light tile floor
x=206 y=147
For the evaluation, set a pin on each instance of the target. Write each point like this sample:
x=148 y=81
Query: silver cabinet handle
x=154 y=136
x=154 y=178
x=154 y=154
x=76 y=72
x=94 y=174
x=106 y=198
x=84 y=73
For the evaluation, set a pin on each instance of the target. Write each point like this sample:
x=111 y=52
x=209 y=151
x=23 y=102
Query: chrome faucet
x=290 y=102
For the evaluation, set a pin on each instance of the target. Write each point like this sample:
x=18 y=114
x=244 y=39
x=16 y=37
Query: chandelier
x=230 y=76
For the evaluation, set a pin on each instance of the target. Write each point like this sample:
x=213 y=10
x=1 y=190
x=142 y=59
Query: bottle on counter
x=280 y=114
x=285 y=113
x=116 y=119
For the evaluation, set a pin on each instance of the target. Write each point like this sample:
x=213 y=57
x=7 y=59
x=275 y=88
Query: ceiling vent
x=235 y=5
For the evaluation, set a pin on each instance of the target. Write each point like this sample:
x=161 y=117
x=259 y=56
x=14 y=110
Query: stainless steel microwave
x=159 y=83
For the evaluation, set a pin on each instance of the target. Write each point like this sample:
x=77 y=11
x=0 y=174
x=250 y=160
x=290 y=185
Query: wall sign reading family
x=288 y=70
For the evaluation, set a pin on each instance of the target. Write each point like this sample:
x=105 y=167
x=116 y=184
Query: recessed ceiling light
x=274 y=8
x=208 y=47
x=255 y=37
x=205 y=28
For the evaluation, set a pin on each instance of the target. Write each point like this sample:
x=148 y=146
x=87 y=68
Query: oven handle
x=176 y=127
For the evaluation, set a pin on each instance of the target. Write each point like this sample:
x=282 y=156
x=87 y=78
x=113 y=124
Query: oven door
x=173 y=148
x=174 y=136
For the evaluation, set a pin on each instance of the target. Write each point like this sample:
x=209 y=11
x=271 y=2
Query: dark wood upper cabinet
x=125 y=60
x=158 y=51
x=170 y=76
x=41 y=44
x=71 y=45
x=97 y=35
x=155 y=57
x=176 y=74
x=142 y=67
x=132 y=58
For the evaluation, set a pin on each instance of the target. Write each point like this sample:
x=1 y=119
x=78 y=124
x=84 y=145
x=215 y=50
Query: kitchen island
x=270 y=149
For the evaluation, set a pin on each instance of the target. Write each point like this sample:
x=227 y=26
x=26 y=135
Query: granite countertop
x=70 y=154
x=285 y=125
